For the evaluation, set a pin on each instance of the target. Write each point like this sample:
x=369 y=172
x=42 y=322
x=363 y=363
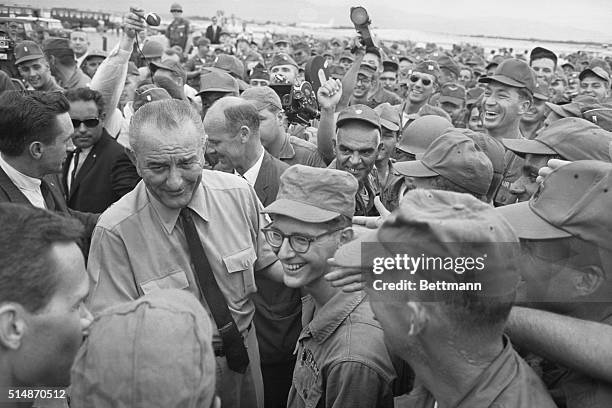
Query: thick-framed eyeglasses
x=415 y=78
x=90 y=123
x=298 y=242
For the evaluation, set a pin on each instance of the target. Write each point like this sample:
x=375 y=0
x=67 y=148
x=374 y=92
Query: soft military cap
x=358 y=112
x=417 y=137
x=455 y=157
x=27 y=51
x=571 y=138
x=453 y=93
x=313 y=194
x=597 y=71
x=217 y=81
x=428 y=67
x=447 y=62
x=263 y=97
x=282 y=59
x=389 y=116
x=155 y=351
x=573 y=200
x=515 y=73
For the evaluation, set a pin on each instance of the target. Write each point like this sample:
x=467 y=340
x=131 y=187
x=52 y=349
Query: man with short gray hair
x=187 y=228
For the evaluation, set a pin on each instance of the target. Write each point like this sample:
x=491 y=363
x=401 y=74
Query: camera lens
x=359 y=15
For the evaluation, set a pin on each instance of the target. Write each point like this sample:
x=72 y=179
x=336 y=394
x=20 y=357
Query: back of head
x=158 y=347
x=26 y=238
x=60 y=49
x=28 y=116
x=168 y=114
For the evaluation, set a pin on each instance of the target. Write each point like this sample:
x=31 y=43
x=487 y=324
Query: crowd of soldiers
x=171 y=238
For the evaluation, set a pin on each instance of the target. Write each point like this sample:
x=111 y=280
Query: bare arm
x=328 y=96
x=578 y=344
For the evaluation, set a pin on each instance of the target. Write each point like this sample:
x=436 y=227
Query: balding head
x=167 y=116
x=232 y=127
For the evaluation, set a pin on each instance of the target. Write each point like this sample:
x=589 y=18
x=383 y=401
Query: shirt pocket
x=177 y=279
x=307 y=379
x=240 y=267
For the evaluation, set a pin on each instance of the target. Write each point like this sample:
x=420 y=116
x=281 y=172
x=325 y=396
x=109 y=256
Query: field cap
x=601 y=116
x=453 y=93
x=597 y=71
x=313 y=194
x=367 y=70
x=348 y=56
x=149 y=93
x=513 y=72
x=441 y=223
x=455 y=157
x=571 y=138
x=473 y=94
x=230 y=64
x=169 y=65
x=56 y=44
x=217 y=81
x=390 y=66
x=176 y=7
x=389 y=116
x=428 y=67
x=573 y=200
x=417 y=137
x=540 y=52
x=541 y=90
x=281 y=41
x=475 y=61
x=157 y=349
x=282 y=59
x=495 y=61
x=27 y=51
x=152 y=49
x=358 y=112
x=447 y=62
x=263 y=97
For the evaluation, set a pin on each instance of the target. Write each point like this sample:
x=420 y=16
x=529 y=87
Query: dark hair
x=28 y=116
x=243 y=114
x=86 y=94
x=28 y=233
x=62 y=56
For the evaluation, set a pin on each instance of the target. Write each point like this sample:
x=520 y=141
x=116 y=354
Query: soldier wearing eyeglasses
x=98 y=172
x=341 y=356
x=369 y=90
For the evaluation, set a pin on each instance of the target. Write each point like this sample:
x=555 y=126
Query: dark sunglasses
x=176 y=11
x=424 y=81
x=90 y=123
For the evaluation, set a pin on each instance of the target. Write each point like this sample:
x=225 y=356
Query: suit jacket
x=268 y=179
x=106 y=175
x=212 y=34
x=54 y=199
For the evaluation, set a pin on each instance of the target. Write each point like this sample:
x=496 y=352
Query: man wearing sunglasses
x=98 y=172
x=422 y=83
x=569 y=252
x=341 y=356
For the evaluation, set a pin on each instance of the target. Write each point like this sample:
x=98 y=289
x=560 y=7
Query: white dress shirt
x=29 y=186
x=251 y=174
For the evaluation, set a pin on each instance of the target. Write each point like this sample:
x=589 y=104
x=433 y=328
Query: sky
x=566 y=18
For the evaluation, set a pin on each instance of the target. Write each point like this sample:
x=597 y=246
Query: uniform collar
x=331 y=316
x=169 y=216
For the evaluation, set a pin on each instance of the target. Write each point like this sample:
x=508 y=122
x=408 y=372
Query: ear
x=335 y=143
x=102 y=117
x=36 y=150
x=419 y=317
x=347 y=235
x=244 y=133
x=12 y=326
x=588 y=280
x=524 y=106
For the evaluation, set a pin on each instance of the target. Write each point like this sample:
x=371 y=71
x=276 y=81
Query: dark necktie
x=233 y=343
x=75 y=157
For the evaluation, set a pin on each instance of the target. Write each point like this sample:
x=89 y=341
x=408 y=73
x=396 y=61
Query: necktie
x=233 y=343
x=75 y=158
